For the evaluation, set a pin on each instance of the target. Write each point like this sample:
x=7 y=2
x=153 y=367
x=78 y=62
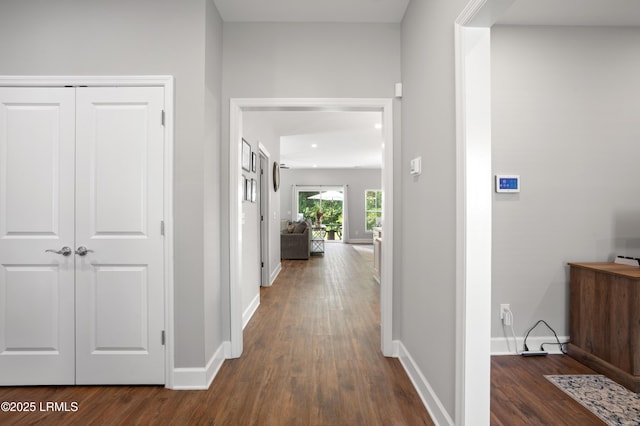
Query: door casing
x=166 y=82
x=388 y=346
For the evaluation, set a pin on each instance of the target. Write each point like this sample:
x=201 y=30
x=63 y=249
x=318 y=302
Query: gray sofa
x=295 y=241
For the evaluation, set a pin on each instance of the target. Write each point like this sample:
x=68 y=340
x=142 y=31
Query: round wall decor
x=276 y=176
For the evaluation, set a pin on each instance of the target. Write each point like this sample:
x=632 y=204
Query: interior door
x=81 y=244
x=37 y=127
x=264 y=217
x=119 y=205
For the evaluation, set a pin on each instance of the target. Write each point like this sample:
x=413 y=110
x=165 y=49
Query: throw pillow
x=300 y=228
x=290 y=229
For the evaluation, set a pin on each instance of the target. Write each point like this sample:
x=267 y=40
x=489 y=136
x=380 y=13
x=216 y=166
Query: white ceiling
x=343 y=139
x=311 y=10
x=573 y=12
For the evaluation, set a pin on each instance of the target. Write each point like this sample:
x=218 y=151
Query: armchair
x=295 y=241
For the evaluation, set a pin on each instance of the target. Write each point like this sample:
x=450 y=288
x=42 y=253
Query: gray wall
x=358 y=180
x=255 y=131
x=149 y=37
x=566 y=117
x=428 y=213
x=281 y=60
x=213 y=84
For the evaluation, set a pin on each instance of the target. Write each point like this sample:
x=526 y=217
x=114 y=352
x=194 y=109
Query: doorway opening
x=237 y=108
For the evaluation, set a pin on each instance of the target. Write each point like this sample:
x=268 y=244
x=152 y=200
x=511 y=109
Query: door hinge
x=163 y=337
x=262 y=264
x=162 y=227
x=162 y=117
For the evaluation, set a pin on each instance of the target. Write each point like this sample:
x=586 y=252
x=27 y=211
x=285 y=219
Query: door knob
x=82 y=251
x=65 y=251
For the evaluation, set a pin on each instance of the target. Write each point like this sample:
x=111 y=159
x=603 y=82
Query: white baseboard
x=505 y=346
x=275 y=274
x=430 y=400
x=200 y=378
x=251 y=309
x=360 y=241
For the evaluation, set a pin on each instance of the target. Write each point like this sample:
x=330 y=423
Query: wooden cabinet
x=604 y=320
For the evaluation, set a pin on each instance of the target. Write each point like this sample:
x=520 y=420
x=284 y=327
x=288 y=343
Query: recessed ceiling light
x=314 y=145
x=378 y=126
x=315 y=165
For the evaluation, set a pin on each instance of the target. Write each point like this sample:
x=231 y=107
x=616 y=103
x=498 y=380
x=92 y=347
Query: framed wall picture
x=246 y=155
x=254 y=161
x=254 y=190
x=247 y=189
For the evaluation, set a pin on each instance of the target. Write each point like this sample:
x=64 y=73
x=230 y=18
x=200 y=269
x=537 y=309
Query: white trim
x=432 y=403
x=275 y=273
x=251 y=309
x=360 y=241
x=200 y=378
x=265 y=182
x=235 y=230
x=505 y=345
x=92 y=81
x=237 y=105
x=166 y=82
x=386 y=264
x=264 y=150
x=473 y=208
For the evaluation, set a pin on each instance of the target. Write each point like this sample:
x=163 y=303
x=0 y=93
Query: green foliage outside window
x=373 y=207
x=331 y=209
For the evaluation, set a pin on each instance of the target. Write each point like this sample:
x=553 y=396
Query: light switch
x=416 y=166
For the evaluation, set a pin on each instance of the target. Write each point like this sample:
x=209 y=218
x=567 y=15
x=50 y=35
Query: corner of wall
x=200 y=378
x=428 y=396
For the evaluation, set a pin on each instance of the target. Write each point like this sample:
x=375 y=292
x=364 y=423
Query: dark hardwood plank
x=520 y=395
x=311 y=357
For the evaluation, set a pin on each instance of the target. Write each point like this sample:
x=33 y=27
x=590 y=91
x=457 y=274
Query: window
x=327 y=201
x=372 y=208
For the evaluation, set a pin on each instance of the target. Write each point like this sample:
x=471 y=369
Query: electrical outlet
x=504 y=308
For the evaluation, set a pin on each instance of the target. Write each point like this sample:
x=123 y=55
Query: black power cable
x=557 y=342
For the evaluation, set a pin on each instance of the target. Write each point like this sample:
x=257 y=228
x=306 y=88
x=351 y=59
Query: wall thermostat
x=507 y=183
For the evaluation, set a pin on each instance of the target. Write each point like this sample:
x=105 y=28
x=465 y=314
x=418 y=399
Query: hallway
x=312 y=352
x=311 y=357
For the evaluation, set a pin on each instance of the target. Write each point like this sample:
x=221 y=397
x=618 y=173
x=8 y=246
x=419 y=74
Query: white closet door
x=37 y=127
x=119 y=205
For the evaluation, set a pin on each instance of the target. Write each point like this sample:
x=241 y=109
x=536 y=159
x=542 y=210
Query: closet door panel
x=119 y=209
x=37 y=138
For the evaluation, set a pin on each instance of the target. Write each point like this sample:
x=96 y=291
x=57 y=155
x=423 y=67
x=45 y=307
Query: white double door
x=81 y=168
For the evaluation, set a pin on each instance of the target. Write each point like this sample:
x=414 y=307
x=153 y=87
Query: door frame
x=237 y=107
x=265 y=203
x=166 y=82
x=472 y=31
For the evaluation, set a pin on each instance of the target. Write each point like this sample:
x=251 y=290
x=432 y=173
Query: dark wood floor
x=520 y=395
x=311 y=357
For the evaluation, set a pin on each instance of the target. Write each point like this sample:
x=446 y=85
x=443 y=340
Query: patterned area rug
x=613 y=403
